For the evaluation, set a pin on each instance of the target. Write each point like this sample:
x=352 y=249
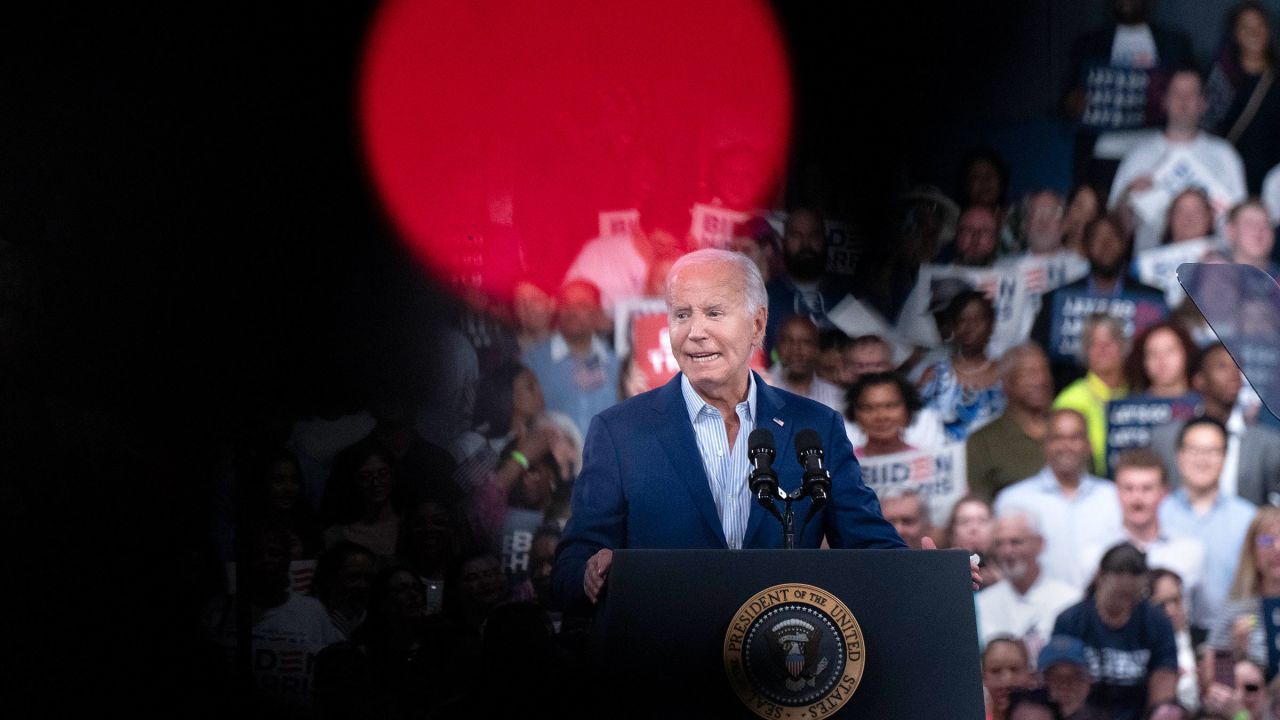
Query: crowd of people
x=1117 y=477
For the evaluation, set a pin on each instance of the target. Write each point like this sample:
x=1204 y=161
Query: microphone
x=763 y=480
x=817 y=481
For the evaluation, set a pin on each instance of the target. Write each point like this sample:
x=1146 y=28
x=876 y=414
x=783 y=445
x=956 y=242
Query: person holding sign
x=1182 y=156
x=1115 y=72
x=883 y=405
x=1251 y=469
x=1159 y=372
x=1240 y=626
x=1106 y=289
x=965 y=388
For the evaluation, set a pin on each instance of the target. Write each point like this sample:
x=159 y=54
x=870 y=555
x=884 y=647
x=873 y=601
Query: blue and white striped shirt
x=727 y=470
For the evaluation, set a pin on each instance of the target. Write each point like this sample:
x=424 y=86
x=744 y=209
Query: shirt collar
x=1101 y=390
x=1048 y=482
x=1117 y=292
x=560 y=348
x=1184 y=497
x=1235 y=421
x=694 y=403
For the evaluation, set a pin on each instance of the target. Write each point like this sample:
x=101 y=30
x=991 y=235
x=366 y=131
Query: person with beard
x=1106 y=247
x=977 y=239
x=1025 y=603
x=803 y=288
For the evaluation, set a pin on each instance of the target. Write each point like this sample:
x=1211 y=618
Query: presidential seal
x=794 y=651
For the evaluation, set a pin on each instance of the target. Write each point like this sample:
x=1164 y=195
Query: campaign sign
x=1271 y=623
x=1004 y=285
x=1178 y=170
x=1115 y=97
x=652 y=344
x=1131 y=420
x=518 y=529
x=1072 y=307
x=619 y=223
x=649 y=341
x=283 y=668
x=843 y=249
x=937 y=474
x=1158 y=266
x=713 y=225
x=301 y=573
x=1043 y=273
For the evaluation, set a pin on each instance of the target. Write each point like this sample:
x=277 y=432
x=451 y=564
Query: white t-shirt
x=1217 y=158
x=615 y=267
x=1271 y=194
x=1002 y=611
x=1090 y=516
x=1182 y=554
x=1134 y=47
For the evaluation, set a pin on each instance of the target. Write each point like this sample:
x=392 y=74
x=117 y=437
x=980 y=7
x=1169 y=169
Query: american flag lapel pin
x=779 y=421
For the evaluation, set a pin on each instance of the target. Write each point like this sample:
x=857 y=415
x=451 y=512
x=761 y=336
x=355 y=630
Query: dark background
x=190 y=255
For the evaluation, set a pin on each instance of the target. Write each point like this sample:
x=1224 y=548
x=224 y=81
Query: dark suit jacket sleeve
x=599 y=517
x=853 y=517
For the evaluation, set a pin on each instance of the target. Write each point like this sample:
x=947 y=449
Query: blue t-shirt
x=1121 y=660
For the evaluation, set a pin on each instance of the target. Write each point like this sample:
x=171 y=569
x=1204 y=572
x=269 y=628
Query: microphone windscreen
x=808 y=440
x=760 y=439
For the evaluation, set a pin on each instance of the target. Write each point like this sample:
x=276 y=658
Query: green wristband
x=520 y=458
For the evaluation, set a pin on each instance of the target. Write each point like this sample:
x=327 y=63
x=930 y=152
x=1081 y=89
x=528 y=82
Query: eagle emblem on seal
x=796 y=648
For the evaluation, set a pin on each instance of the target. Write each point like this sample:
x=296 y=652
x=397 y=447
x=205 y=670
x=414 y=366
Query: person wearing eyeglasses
x=1201 y=510
x=1239 y=626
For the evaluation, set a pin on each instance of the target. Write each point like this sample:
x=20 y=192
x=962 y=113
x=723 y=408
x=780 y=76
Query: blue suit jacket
x=642 y=485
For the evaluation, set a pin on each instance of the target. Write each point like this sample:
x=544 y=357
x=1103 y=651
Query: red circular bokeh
x=496 y=130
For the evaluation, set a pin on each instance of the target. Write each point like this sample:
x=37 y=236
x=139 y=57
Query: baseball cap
x=1060 y=649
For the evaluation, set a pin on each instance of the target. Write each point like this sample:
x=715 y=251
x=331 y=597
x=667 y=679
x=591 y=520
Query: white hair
x=753 y=283
x=1014 y=355
x=1027 y=515
x=903 y=490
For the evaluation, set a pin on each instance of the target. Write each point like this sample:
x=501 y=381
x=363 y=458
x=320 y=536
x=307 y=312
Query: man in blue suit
x=668 y=469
